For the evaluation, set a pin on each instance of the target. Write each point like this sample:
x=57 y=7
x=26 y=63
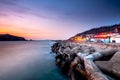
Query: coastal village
x=91 y=55
x=112 y=36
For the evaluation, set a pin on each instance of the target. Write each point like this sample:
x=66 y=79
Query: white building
x=115 y=38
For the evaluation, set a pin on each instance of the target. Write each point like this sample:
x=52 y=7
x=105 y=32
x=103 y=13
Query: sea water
x=28 y=60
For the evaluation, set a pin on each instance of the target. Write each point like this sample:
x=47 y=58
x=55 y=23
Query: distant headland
x=9 y=37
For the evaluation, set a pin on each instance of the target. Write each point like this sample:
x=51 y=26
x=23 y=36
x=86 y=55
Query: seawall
x=87 y=61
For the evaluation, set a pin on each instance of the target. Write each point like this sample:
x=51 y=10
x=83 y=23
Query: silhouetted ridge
x=8 y=37
x=104 y=29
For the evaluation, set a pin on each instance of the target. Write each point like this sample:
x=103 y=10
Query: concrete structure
x=78 y=59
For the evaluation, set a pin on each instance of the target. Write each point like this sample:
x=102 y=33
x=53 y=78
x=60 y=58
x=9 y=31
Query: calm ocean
x=28 y=60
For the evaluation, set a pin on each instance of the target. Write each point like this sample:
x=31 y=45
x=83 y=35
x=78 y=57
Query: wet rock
x=93 y=72
x=76 y=49
x=112 y=66
x=67 y=50
x=78 y=59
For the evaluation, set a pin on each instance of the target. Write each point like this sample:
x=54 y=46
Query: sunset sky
x=56 y=19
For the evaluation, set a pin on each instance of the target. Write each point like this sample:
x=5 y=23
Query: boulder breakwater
x=88 y=61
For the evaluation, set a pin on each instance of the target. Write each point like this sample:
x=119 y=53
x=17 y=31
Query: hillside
x=104 y=29
x=8 y=37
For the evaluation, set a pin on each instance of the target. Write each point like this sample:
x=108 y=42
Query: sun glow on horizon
x=32 y=27
x=51 y=19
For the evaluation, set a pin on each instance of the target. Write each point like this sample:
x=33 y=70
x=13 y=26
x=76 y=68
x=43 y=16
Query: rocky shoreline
x=88 y=61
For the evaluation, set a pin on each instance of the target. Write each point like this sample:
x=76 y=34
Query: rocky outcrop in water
x=8 y=37
x=86 y=61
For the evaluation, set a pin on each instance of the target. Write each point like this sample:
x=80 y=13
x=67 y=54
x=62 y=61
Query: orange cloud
x=10 y=30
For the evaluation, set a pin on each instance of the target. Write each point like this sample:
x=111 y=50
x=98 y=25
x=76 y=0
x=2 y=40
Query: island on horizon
x=9 y=37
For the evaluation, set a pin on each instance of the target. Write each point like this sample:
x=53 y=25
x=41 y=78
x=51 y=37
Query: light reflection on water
x=28 y=61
